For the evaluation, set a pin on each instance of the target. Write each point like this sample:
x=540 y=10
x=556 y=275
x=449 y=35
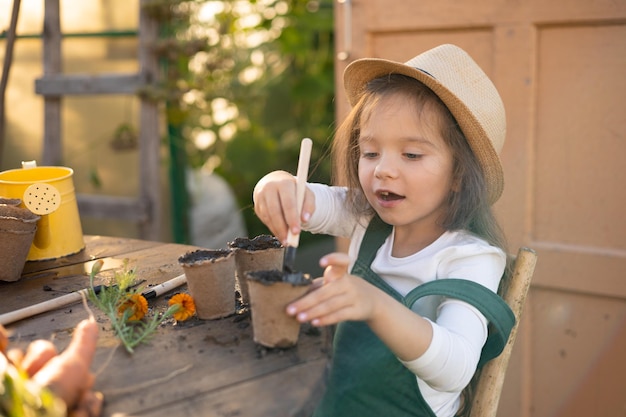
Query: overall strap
x=375 y=235
x=366 y=378
x=490 y=304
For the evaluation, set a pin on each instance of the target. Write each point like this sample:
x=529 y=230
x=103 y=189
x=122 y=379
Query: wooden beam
x=149 y=134
x=6 y=67
x=83 y=84
x=122 y=208
x=52 y=137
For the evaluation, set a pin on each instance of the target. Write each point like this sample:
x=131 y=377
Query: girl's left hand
x=341 y=296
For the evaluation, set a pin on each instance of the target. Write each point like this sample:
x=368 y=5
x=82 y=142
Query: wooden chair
x=489 y=387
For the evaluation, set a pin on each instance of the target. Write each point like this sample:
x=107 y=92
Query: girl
x=413 y=298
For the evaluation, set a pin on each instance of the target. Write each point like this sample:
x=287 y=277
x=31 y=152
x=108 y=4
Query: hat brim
x=360 y=72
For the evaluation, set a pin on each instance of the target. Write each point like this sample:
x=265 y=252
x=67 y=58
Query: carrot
x=89 y=405
x=67 y=375
x=37 y=355
x=15 y=356
x=4 y=339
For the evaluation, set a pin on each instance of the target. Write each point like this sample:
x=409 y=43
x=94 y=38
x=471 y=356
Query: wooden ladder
x=144 y=209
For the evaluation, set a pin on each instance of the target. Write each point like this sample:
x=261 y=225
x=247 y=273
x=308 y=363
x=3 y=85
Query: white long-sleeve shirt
x=459 y=329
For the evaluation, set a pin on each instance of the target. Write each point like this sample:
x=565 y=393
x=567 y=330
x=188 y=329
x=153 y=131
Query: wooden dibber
x=293 y=240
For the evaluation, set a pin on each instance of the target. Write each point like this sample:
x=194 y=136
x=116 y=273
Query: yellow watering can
x=48 y=192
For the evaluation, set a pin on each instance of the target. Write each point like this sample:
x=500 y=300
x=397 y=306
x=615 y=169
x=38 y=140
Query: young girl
x=418 y=156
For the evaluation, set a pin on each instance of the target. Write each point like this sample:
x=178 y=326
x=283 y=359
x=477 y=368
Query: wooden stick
x=64 y=300
x=43 y=307
x=293 y=240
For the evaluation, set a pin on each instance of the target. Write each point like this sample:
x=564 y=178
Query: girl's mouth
x=388 y=196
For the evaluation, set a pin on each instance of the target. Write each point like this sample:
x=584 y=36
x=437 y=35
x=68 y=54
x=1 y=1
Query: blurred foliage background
x=244 y=82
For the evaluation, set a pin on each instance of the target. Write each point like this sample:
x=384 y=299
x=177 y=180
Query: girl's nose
x=386 y=168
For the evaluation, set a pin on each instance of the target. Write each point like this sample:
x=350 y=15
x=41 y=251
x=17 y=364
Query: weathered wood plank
x=293 y=392
x=124 y=208
x=207 y=362
x=96 y=247
x=87 y=84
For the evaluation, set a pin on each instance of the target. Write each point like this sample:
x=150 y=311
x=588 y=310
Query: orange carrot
x=66 y=374
x=37 y=355
x=4 y=339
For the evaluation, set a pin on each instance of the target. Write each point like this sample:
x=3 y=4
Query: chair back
x=491 y=380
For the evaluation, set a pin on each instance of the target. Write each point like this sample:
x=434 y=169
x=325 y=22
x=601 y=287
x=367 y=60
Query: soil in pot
x=264 y=252
x=269 y=296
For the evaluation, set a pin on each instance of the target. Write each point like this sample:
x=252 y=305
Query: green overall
x=366 y=378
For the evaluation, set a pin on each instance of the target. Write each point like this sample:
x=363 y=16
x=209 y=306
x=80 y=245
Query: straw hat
x=464 y=88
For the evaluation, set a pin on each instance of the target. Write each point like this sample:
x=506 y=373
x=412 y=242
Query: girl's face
x=405 y=167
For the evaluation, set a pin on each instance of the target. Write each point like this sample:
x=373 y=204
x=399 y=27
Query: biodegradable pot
x=211 y=280
x=264 y=252
x=10 y=201
x=17 y=231
x=269 y=297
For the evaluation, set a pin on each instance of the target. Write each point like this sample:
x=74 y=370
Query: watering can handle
x=29 y=164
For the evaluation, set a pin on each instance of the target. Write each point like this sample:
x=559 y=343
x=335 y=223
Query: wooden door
x=560 y=67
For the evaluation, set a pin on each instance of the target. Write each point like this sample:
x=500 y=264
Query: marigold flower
x=96 y=267
x=138 y=305
x=187 y=307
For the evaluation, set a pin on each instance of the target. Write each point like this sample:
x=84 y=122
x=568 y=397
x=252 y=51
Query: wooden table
x=197 y=367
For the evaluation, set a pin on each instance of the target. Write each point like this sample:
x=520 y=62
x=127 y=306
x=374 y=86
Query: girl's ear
x=456 y=184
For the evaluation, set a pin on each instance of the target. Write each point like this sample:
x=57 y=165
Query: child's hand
x=341 y=297
x=275 y=204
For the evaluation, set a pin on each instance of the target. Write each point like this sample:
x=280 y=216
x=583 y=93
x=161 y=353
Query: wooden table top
x=198 y=367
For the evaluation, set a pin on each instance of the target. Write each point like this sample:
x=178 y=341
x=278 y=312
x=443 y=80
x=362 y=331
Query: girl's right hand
x=275 y=204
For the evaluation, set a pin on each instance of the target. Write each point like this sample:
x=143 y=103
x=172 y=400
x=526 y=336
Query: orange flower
x=138 y=305
x=186 y=309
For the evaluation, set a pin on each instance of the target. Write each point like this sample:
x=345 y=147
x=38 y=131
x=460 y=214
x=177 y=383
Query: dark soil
x=10 y=201
x=202 y=255
x=274 y=275
x=15 y=212
x=258 y=243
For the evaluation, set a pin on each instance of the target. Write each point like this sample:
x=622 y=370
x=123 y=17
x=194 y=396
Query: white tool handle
x=157 y=290
x=39 y=308
x=301 y=177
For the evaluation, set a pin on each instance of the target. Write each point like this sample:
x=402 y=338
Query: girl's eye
x=369 y=155
x=412 y=155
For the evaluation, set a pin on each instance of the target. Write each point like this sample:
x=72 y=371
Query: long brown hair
x=468 y=204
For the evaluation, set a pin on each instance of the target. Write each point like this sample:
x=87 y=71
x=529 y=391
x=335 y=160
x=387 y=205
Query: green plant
x=244 y=82
x=125 y=307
